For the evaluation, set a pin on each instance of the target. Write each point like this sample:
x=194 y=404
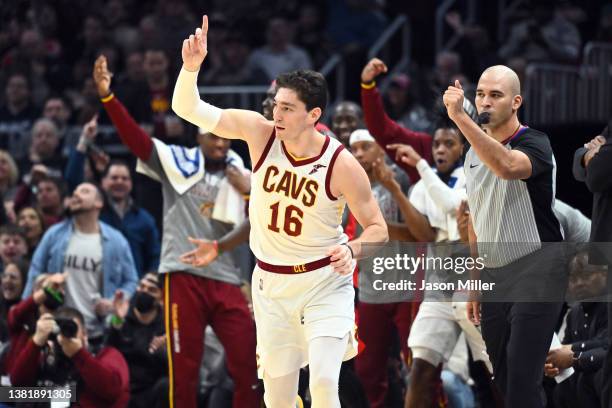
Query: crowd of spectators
x=72 y=204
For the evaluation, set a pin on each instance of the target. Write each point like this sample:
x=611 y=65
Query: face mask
x=144 y=302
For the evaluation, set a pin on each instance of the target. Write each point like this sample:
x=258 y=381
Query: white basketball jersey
x=294 y=217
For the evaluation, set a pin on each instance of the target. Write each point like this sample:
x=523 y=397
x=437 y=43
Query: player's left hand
x=341 y=259
x=453 y=100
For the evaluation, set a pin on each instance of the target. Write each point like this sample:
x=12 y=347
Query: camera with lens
x=53 y=298
x=66 y=327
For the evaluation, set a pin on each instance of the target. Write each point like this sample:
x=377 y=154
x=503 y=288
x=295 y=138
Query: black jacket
x=598 y=178
x=587 y=332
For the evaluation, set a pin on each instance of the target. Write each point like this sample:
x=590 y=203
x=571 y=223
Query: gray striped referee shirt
x=511 y=218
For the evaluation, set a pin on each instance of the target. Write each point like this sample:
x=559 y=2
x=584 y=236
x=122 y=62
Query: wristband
x=107 y=98
x=369 y=85
x=216 y=245
x=116 y=320
x=350 y=249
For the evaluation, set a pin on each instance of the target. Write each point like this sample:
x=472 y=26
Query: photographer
x=48 y=295
x=58 y=354
x=137 y=331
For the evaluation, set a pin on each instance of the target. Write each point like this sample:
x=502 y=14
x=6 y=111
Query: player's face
x=447 y=149
x=290 y=115
x=366 y=153
x=494 y=96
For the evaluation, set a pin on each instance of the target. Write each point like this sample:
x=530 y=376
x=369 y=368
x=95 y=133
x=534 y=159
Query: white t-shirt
x=83 y=262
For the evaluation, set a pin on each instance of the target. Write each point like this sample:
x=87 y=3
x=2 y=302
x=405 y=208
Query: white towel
x=184 y=167
x=229 y=204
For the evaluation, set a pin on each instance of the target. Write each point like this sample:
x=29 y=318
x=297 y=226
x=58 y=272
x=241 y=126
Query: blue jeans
x=459 y=394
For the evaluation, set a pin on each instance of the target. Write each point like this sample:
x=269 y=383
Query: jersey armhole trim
x=265 y=151
x=329 y=173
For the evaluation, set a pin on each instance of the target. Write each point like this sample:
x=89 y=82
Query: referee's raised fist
x=453 y=100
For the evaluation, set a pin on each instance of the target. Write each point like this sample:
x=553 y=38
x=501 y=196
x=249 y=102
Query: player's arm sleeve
x=538 y=150
x=187 y=104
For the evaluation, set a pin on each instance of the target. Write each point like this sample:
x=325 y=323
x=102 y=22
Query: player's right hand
x=204 y=254
x=373 y=68
x=195 y=47
x=473 y=311
x=102 y=76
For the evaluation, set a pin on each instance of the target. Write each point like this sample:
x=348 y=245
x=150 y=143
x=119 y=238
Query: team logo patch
x=315 y=168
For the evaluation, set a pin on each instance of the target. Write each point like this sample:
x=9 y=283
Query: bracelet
x=107 y=98
x=369 y=85
x=350 y=249
x=116 y=320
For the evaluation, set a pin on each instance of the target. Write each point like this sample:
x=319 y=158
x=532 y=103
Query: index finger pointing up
x=204 y=24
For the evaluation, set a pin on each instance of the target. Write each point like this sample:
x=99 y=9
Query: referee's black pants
x=518 y=337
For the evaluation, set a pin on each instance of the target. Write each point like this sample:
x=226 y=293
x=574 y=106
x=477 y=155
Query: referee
x=510 y=181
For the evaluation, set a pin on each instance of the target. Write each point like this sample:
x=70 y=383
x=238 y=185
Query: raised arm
x=227 y=123
x=132 y=135
x=382 y=127
x=506 y=164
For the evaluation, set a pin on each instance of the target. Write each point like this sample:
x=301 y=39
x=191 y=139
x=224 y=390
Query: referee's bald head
x=505 y=77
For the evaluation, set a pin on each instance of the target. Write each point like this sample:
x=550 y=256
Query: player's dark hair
x=310 y=86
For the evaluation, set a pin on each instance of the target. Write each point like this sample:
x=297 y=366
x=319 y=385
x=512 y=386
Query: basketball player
x=302 y=286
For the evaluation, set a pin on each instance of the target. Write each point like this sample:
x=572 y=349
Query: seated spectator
x=546 y=36
x=345 y=119
x=33 y=224
x=279 y=54
x=604 y=31
x=45 y=193
x=137 y=331
x=403 y=107
x=101 y=379
x=231 y=67
x=585 y=342
x=44 y=149
x=136 y=223
x=16 y=116
x=9 y=176
x=95 y=256
x=120 y=211
x=13 y=244
x=58 y=110
x=13 y=281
